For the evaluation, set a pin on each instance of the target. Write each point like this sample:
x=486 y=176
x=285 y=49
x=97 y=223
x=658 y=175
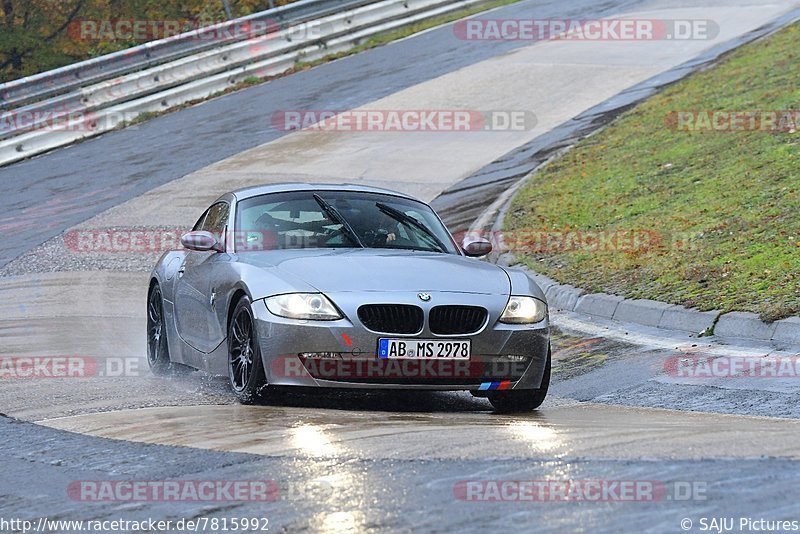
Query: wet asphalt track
x=397 y=495
x=355 y=461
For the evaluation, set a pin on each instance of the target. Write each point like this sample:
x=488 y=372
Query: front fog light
x=308 y=306
x=524 y=310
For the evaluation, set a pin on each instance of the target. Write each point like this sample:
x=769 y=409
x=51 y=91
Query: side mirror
x=201 y=241
x=475 y=248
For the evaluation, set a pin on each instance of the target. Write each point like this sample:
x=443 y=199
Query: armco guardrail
x=67 y=98
x=99 y=107
x=58 y=81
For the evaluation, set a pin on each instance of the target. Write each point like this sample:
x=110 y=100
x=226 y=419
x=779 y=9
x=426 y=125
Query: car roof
x=286 y=187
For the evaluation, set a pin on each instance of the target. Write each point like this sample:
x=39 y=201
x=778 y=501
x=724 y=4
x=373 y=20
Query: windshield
x=338 y=219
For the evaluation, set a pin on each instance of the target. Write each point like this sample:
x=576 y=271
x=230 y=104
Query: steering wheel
x=376 y=238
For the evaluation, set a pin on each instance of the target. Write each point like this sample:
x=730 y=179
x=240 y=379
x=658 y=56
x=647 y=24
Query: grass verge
x=657 y=208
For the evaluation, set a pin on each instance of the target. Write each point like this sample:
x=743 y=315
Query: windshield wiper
x=334 y=215
x=409 y=220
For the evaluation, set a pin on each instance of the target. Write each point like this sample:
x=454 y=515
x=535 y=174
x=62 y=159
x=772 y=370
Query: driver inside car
x=374 y=228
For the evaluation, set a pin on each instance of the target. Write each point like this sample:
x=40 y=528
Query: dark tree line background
x=37 y=35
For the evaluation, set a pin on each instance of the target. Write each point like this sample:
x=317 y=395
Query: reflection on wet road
x=577 y=430
x=443 y=464
x=362 y=461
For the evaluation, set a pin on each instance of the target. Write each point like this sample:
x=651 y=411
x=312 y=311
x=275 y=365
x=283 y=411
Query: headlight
x=310 y=306
x=524 y=310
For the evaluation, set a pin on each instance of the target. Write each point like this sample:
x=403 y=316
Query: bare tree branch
x=69 y=19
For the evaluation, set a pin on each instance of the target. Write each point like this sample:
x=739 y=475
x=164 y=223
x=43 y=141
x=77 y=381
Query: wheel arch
x=236 y=296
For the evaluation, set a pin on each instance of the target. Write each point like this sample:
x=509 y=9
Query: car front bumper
x=503 y=356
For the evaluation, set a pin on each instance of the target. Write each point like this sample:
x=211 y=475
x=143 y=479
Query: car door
x=196 y=286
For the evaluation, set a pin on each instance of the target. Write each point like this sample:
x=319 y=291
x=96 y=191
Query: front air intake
x=457 y=320
x=391 y=318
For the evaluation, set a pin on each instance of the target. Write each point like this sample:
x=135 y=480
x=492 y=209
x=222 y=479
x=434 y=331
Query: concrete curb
x=732 y=325
x=787 y=331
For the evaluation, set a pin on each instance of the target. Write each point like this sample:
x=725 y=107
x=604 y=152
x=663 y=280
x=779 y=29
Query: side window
x=199 y=224
x=216 y=219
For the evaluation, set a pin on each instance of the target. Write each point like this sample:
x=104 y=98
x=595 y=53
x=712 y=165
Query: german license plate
x=450 y=349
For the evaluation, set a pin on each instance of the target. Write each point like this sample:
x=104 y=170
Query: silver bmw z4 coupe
x=344 y=286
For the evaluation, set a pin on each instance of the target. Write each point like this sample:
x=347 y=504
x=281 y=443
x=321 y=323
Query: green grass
x=725 y=205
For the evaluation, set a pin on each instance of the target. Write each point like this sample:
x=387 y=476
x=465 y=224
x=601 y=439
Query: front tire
x=245 y=369
x=523 y=400
x=157 y=346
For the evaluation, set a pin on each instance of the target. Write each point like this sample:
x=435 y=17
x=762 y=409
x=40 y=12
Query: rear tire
x=523 y=400
x=245 y=368
x=157 y=346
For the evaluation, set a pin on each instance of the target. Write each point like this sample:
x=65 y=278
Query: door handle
x=181 y=270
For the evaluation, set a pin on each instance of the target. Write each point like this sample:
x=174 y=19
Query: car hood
x=339 y=270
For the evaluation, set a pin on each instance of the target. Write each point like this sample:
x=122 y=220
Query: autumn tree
x=35 y=35
x=31 y=31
